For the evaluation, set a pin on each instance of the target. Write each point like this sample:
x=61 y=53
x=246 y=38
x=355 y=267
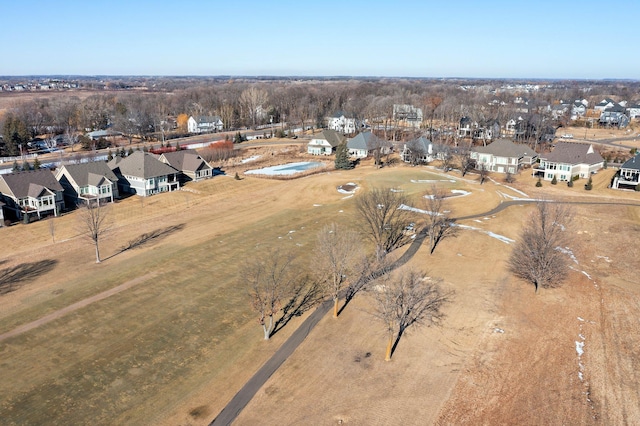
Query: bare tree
x=404 y=299
x=538 y=256
x=484 y=172
x=439 y=224
x=338 y=260
x=52 y=229
x=269 y=281
x=384 y=216
x=94 y=223
x=251 y=99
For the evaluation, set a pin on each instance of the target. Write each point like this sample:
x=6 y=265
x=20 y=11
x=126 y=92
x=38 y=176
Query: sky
x=543 y=39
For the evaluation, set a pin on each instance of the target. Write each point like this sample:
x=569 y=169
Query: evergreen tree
x=342 y=161
x=36 y=164
x=539 y=183
x=109 y=156
x=121 y=153
x=178 y=148
x=130 y=151
x=589 y=185
x=554 y=181
x=16 y=167
x=26 y=166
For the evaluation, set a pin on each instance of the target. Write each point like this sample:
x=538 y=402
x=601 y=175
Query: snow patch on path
x=499 y=237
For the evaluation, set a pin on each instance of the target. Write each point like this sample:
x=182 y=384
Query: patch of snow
x=477 y=220
x=514 y=198
x=502 y=238
x=580 y=319
x=416 y=210
x=250 y=159
x=317 y=205
x=286 y=169
x=587 y=275
x=498 y=330
x=461 y=192
x=340 y=211
x=348 y=196
x=605 y=258
x=581 y=336
x=580 y=376
x=568 y=252
x=396 y=190
x=579 y=348
x=515 y=190
x=291 y=232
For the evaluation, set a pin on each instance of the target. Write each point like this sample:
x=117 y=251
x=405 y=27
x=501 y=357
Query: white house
x=417 y=151
x=342 y=123
x=629 y=175
x=569 y=159
x=365 y=144
x=204 y=124
x=633 y=110
x=325 y=143
x=503 y=156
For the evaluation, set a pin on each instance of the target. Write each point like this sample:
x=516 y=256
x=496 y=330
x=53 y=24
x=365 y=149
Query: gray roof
x=366 y=140
x=422 y=143
x=31 y=183
x=573 y=153
x=141 y=164
x=200 y=119
x=632 y=163
x=91 y=173
x=506 y=148
x=186 y=159
x=332 y=137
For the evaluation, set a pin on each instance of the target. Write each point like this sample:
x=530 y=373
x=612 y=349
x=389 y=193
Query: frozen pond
x=286 y=169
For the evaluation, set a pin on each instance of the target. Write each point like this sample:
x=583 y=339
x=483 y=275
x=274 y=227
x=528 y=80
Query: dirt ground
x=159 y=351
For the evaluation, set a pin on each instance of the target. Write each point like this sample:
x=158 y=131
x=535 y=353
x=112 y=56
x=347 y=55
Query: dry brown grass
x=175 y=348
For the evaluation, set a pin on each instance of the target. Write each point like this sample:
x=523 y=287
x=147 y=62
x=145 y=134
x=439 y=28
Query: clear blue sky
x=512 y=39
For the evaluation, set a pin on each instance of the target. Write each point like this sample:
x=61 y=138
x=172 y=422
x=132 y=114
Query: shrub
x=570 y=184
x=637 y=188
x=554 y=181
x=589 y=185
x=539 y=183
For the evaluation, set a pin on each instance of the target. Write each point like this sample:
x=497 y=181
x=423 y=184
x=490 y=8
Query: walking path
x=74 y=307
x=246 y=393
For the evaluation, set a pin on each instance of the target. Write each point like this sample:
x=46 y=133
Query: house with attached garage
x=325 y=143
x=366 y=143
x=189 y=163
x=569 y=159
x=143 y=174
x=34 y=193
x=629 y=175
x=503 y=156
x=86 y=182
x=204 y=124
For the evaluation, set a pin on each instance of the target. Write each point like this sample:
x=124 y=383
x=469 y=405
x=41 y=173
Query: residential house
x=417 y=151
x=487 y=131
x=629 y=175
x=569 y=159
x=365 y=143
x=408 y=114
x=31 y=193
x=503 y=156
x=604 y=104
x=466 y=127
x=204 y=124
x=98 y=134
x=325 y=143
x=85 y=182
x=633 y=110
x=510 y=127
x=614 y=117
x=343 y=123
x=143 y=174
x=189 y=163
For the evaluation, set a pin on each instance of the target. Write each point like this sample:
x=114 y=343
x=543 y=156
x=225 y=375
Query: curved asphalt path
x=244 y=395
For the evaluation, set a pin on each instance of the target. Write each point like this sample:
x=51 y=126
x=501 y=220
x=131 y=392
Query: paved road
x=242 y=398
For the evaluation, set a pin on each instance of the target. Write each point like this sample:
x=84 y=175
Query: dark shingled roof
x=506 y=148
x=90 y=173
x=632 y=163
x=366 y=140
x=186 y=159
x=31 y=183
x=573 y=153
x=141 y=164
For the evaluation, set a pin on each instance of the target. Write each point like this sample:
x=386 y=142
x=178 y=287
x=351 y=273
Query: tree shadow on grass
x=306 y=295
x=149 y=237
x=13 y=278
